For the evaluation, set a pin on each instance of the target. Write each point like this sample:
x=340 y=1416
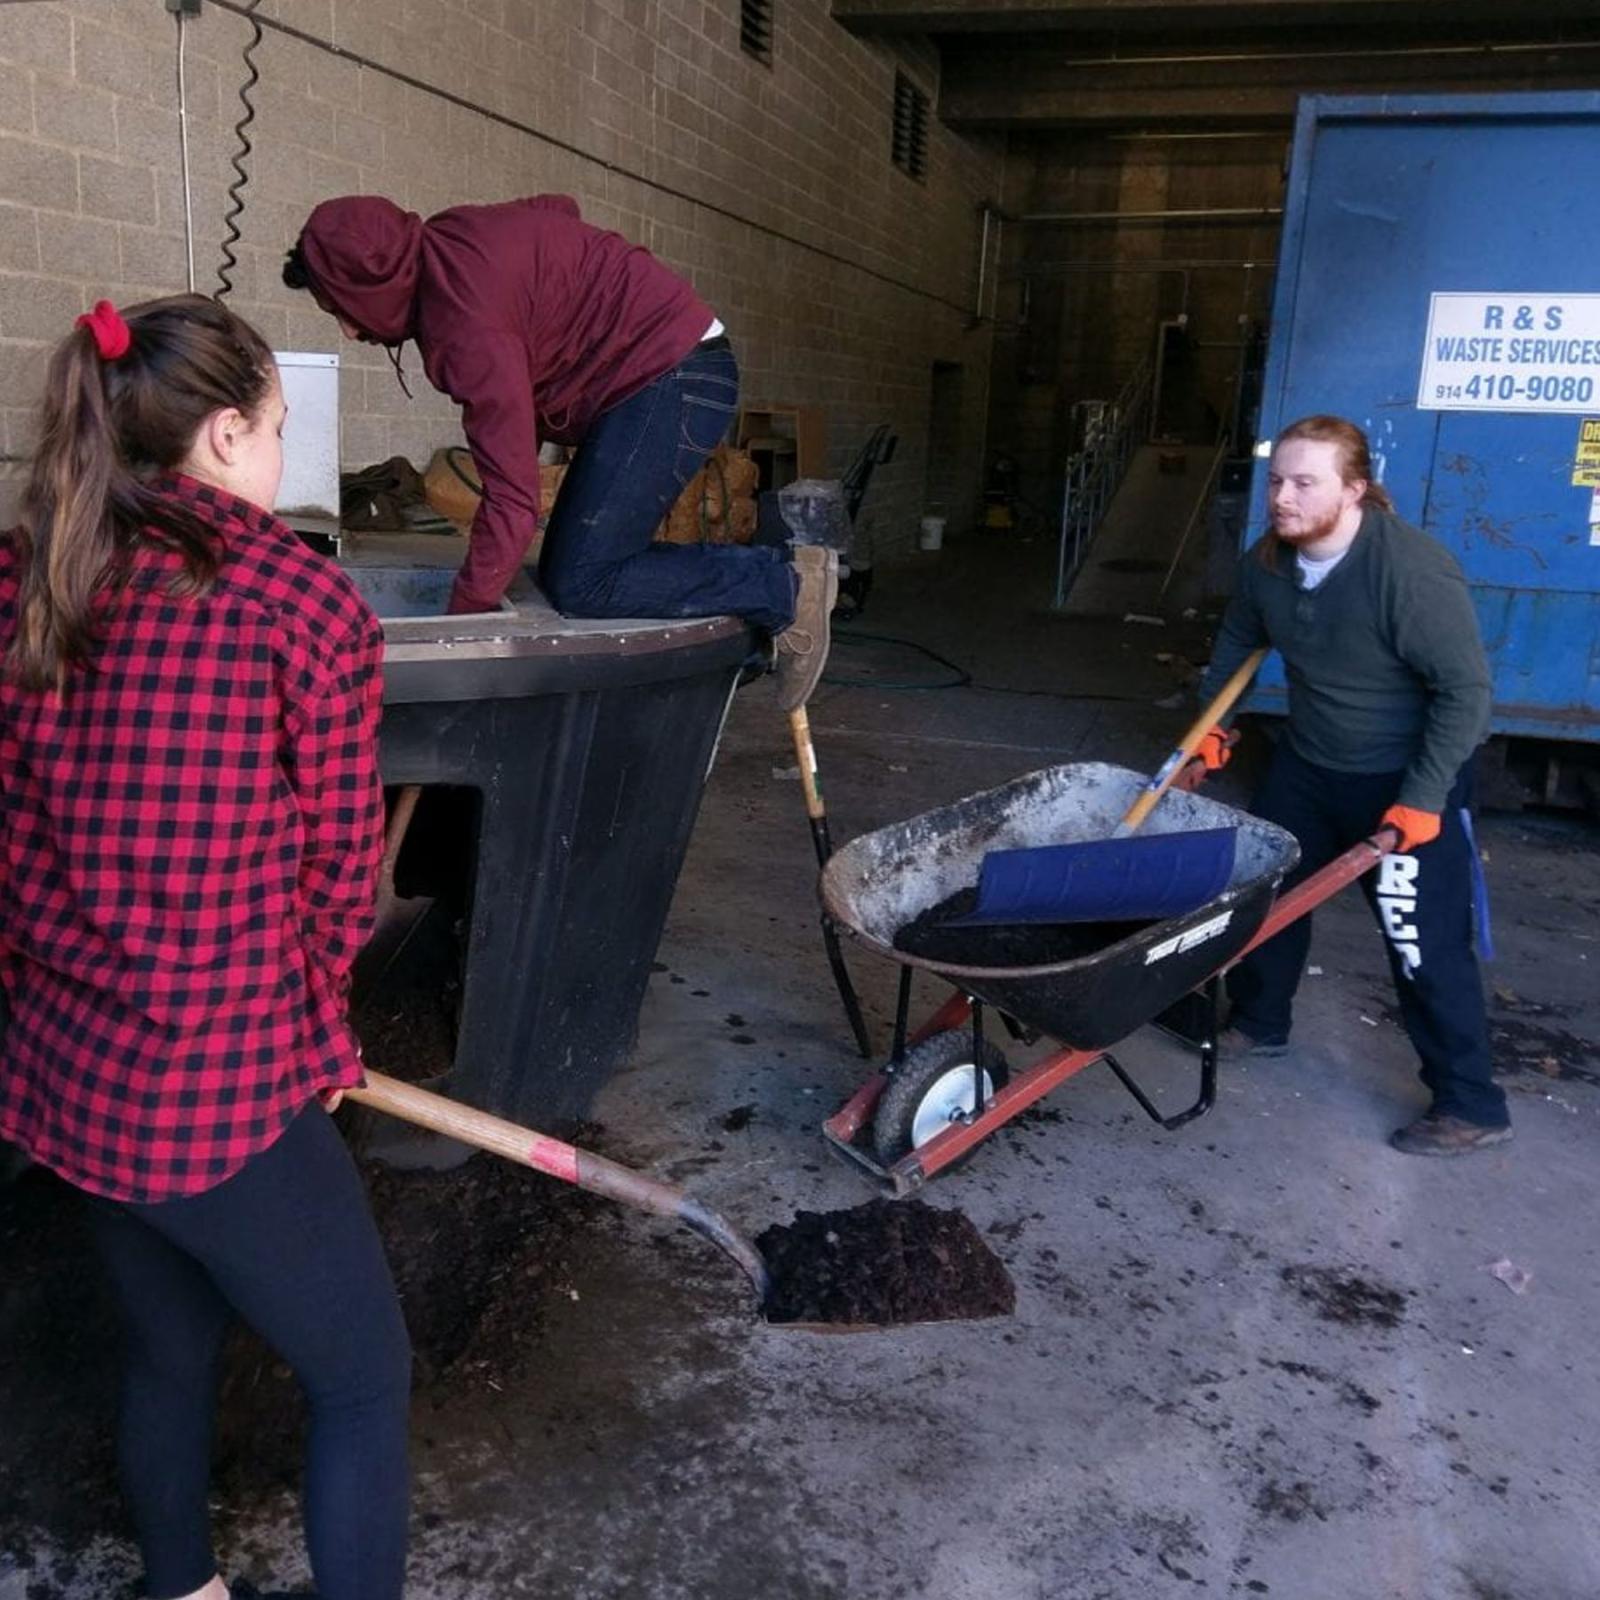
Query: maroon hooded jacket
x=530 y=319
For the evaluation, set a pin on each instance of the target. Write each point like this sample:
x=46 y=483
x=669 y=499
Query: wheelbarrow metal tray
x=883 y=880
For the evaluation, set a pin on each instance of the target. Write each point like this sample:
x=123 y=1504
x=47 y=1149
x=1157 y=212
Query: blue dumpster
x=1439 y=283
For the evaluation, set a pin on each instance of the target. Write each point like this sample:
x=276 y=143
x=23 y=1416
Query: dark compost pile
x=476 y=1253
x=881 y=1264
x=1012 y=944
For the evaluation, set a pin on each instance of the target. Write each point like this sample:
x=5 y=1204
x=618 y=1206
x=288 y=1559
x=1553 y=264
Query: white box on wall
x=309 y=494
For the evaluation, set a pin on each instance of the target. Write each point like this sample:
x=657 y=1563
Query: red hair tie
x=111 y=334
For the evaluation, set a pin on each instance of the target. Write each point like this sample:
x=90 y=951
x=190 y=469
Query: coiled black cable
x=230 y=259
x=959 y=677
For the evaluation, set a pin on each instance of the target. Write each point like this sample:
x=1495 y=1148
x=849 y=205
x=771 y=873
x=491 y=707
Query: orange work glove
x=1212 y=754
x=1416 y=828
x=1216 y=748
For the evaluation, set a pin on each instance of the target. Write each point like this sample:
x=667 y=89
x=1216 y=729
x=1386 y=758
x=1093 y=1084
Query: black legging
x=288 y=1244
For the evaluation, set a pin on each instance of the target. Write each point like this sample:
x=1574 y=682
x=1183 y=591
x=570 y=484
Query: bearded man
x=1389 y=696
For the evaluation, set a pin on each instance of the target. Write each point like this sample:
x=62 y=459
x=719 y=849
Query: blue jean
x=598 y=559
x=288 y=1244
x=1424 y=905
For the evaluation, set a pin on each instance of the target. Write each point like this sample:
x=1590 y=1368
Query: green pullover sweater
x=1386 y=668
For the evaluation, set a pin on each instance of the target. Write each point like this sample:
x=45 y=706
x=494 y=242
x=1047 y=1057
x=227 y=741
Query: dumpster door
x=1437 y=285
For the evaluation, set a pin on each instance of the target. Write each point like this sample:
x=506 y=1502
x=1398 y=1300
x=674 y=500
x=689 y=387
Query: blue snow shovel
x=1104 y=880
x=1120 y=879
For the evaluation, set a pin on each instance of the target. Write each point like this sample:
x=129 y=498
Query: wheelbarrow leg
x=847 y=989
x=978 y=1073
x=1208 y=1068
x=902 y=1017
x=1208 y=1045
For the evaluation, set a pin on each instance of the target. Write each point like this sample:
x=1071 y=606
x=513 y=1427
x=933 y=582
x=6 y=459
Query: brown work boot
x=802 y=647
x=1234 y=1044
x=1440 y=1134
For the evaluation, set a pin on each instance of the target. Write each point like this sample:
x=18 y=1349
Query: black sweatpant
x=1424 y=905
x=289 y=1245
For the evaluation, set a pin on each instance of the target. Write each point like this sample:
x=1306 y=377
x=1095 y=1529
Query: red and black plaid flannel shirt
x=189 y=841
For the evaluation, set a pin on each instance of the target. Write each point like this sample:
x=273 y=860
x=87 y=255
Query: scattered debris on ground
x=1346 y=1297
x=1516 y=1279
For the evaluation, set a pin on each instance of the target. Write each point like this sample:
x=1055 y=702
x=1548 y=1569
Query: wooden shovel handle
x=583 y=1168
x=394 y=835
x=424 y=1109
x=805 y=756
x=1175 y=763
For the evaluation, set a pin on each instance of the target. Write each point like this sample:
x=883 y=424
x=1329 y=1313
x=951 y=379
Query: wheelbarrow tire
x=927 y=1088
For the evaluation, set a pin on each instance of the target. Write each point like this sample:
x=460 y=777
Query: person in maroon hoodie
x=542 y=327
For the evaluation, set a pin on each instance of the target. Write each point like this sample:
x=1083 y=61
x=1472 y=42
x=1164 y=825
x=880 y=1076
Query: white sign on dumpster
x=1511 y=352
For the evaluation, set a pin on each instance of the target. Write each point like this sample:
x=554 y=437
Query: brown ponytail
x=1355 y=465
x=108 y=427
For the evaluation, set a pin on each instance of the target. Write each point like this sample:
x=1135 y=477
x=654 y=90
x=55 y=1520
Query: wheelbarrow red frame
x=914 y=1169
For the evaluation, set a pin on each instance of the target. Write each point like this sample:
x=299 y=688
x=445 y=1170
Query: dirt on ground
x=882 y=1264
x=476 y=1252
x=479 y=1254
x=1347 y=1297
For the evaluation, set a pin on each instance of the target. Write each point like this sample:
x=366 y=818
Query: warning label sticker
x=1586 y=458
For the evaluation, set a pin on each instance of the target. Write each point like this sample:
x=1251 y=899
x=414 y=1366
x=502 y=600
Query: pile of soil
x=477 y=1255
x=882 y=1264
x=1013 y=944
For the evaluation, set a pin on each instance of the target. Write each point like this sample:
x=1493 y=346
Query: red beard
x=1299 y=533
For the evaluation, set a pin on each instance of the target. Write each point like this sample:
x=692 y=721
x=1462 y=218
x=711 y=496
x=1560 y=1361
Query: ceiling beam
x=1034 y=84
x=945 y=17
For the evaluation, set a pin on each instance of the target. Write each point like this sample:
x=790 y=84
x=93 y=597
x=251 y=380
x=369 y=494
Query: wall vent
x=755 y=29
x=909 y=145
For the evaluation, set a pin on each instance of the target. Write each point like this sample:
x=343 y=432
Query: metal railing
x=1111 y=431
x=1201 y=502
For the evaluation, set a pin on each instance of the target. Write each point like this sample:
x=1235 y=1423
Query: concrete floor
x=1171 y=1408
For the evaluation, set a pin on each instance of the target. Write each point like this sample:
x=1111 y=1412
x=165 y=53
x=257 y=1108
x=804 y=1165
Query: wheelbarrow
x=948 y=1085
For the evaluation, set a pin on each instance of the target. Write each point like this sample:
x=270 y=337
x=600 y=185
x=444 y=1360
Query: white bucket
x=932 y=536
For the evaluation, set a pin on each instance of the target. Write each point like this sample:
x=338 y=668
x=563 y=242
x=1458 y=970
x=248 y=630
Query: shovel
x=1180 y=757
x=597 y=1174
x=1120 y=879
x=805 y=755
x=395 y=918
x=582 y=1168
x=526 y=1146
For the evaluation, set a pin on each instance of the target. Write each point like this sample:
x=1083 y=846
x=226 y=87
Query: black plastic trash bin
x=589 y=744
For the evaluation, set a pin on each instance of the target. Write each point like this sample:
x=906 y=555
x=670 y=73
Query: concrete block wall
x=841 y=279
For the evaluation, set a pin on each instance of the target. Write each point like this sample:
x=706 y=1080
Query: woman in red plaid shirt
x=189 y=837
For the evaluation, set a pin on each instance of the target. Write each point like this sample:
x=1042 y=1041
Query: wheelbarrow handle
x=1322 y=885
x=582 y=1168
x=1180 y=757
